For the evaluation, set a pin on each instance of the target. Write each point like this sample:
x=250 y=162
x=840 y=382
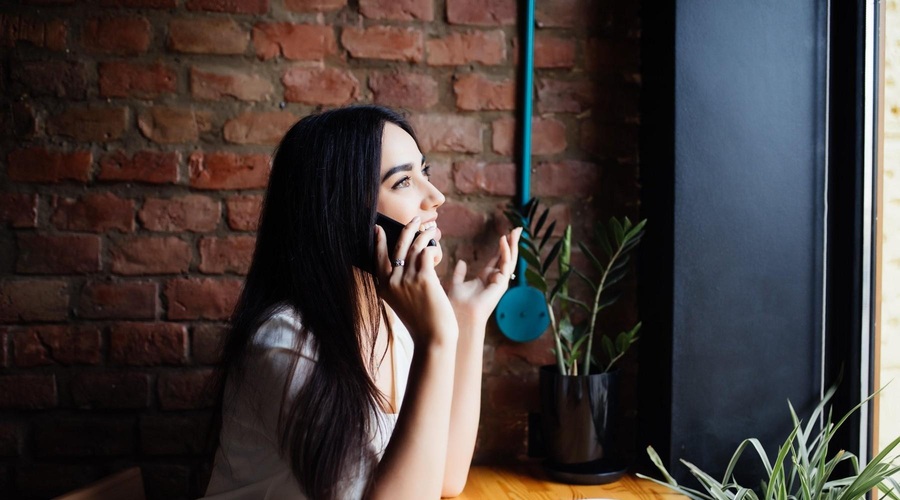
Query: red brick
x=118 y=300
x=230 y=254
x=214 y=83
x=565 y=96
x=457 y=219
x=553 y=52
x=193 y=212
x=186 y=390
x=58 y=254
x=216 y=35
x=142 y=81
x=148 y=344
x=243 y=211
x=567 y=178
x=96 y=213
x=111 y=390
x=314 y=5
x=228 y=170
x=50 y=34
x=83 y=436
x=603 y=54
x=404 y=90
x=482 y=12
x=525 y=355
x=206 y=341
x=33 y=300
x=42 y=165
x=12 y=435
x=477 y=177
x=143 y=255
x=610 y=141
x=448 y=133
x=232 y=6
x=152 y=167
x=63 y=79
x=458 y=48
x=18 y=210
x=202 y=298
x=120 y=35
x=167 y=125
x=548 y=136
x=561 y=13
x=90 y=124
x=173 y=434
x=476 y=92
x=401 y=10
x=63 y=344
x=327 y=86
x=440 y=174
x=27 y=392
x=266 y=127
x=51 y=480
x=512 y=394
x=137 y=4
x=298 y=42
x=384 y=42
x=21 y=119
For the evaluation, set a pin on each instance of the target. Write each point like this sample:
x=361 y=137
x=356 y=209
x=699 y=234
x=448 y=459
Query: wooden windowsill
x=527 y=481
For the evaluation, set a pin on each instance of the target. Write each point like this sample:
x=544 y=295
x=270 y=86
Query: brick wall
x=137 y=135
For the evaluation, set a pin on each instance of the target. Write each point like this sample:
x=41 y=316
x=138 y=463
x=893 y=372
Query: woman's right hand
x=413 y=289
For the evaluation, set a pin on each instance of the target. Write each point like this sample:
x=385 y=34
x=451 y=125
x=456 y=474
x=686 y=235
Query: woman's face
x=406 y=190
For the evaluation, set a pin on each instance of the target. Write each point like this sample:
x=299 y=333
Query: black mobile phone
x=392 y=229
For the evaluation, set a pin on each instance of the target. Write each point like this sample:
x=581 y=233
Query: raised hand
x=474 y=300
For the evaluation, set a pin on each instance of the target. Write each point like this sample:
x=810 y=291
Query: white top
x=248 y=463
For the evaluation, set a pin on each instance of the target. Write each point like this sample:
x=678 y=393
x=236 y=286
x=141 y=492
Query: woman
x=340 y=383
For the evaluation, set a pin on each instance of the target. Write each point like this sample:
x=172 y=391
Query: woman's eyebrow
x=406 y=167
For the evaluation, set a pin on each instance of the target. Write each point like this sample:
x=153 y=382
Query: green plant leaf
x=603 y=239
x=536 y=280
x=575 y=301
x=590 y=255
x=541 y=221
x=547 y=234
x=617 y=231
x=560 y=283
x=584 y=278
x=530 y=209
x=531 y=259
x=634 y=230
x=554 y=251
x=566 y=329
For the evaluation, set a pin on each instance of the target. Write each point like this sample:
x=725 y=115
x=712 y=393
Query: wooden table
x=527 y=481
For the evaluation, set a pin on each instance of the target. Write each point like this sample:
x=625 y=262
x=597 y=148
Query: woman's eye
x=404 y=182
x=426 y=170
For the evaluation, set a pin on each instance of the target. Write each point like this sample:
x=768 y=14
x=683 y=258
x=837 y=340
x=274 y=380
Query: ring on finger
x=398 y=263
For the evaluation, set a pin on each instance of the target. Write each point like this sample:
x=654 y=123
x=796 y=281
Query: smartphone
x=392 y=231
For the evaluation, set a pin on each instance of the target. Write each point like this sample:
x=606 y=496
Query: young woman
x=340 y=383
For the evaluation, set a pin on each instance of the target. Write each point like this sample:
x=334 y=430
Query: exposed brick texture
x=384 y=42
x=303 y=42
x=139 y=140
x=38 y=164
x=151 y=167
x=148 y=344
x=93 y=213
x=57 y=344
x=143 y=81
x=213 y=83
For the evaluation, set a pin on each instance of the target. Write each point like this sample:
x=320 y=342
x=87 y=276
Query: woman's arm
x=473 y=302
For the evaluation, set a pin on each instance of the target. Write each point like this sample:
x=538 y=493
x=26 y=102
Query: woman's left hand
x=474 y=300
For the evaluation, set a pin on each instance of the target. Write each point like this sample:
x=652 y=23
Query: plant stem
x=594 y=311
x=559 y=358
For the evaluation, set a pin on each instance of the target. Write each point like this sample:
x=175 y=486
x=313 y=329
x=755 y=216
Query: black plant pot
x=579 y=419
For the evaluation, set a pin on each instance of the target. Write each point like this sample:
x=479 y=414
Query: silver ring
x=398 y=262
x=512 y=276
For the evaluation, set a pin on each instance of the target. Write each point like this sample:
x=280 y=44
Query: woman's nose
x=434 y=198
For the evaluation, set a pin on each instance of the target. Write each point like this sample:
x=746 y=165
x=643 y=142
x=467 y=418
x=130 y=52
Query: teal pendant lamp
x=522 y=312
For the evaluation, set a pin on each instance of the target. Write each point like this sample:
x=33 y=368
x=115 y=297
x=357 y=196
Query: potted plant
x=579 y=394
x=802 y=469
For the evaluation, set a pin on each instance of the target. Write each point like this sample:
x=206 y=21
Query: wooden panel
x=521 y=482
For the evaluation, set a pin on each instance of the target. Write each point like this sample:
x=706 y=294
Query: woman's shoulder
x=283 y=330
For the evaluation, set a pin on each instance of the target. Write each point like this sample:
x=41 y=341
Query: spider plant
x=574 y=343
x=802 y=469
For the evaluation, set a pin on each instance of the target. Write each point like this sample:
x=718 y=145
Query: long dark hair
x=317 y=219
